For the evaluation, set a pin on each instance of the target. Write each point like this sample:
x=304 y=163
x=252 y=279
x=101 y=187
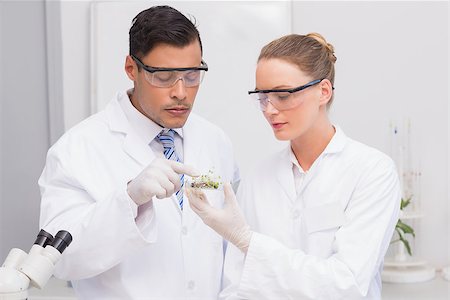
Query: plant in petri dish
x=206 y=181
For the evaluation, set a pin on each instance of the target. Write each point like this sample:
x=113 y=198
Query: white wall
x=1 y=140
x=392 y=60
x=232 y=37
x=75 y=31
x=24 y=120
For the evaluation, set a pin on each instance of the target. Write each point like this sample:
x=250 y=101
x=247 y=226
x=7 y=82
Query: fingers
x=190 y=196
x=230 y=197
x=228 y=190
x=197 y=199
x=166 y=178
x=184 y=169
x=165 y=188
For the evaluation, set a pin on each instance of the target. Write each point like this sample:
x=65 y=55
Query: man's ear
x=326 y=89
x=131 y=68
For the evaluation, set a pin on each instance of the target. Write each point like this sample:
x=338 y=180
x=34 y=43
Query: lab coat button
x=191 y=284
x=184 y=230
x=295 y=214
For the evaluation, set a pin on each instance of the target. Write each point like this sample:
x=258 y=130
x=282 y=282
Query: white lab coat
x=325 y=241
x=164 y=253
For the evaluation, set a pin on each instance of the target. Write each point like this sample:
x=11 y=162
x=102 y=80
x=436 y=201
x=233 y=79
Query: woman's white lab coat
x=326 y=240
x=163 y=253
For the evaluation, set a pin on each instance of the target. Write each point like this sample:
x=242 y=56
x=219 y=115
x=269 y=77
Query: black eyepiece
x=62 y=240
x=44 y=238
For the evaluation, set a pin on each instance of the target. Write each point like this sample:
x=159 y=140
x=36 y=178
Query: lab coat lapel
x=193 y=147
x=193 y=144
x=336 y=145
x=285 y=176
x=133 y=145
x=137 y=149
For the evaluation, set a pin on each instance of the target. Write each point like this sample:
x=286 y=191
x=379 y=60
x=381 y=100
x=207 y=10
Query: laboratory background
x=61 y=61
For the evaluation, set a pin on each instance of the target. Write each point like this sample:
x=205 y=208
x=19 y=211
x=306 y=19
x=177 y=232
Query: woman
x=318 y=216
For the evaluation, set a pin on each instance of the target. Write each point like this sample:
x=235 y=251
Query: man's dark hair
x=161 y=25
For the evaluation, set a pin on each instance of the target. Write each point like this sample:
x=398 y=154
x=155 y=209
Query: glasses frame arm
x=203 y=67
x=293 y=90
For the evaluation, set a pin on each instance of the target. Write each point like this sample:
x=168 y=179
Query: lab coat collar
x=284 y=173
x=337 y=142
x=133 y=144
x=117 y=120
x=139 y=148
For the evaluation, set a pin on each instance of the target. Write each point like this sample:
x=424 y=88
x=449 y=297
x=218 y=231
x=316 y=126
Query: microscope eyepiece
x=43 y=238
x=62 y=240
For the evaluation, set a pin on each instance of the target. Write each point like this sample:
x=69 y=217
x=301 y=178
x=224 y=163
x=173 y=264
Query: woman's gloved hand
x=229 y=222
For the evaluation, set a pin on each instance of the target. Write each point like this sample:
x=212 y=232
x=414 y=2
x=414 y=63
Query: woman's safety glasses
x=281 y=99
x=167 y=77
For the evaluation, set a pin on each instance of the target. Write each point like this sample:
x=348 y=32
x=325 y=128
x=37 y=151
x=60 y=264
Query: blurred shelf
x=436 y=289
x=416 y=274
x=409 y=262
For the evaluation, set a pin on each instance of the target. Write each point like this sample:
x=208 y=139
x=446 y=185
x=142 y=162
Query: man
x=115 y=181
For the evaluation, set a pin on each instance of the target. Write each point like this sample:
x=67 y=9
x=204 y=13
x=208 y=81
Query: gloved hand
x=229 y=222
x=160 y=178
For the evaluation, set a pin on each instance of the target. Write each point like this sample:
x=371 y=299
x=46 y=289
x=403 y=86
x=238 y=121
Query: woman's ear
x=326 y=89
x=131 y=68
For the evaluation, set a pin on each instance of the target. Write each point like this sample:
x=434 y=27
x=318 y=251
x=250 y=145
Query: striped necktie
x=166 y=137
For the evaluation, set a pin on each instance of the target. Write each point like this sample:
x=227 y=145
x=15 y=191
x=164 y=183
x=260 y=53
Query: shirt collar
x=294 y=161
x=145 y=128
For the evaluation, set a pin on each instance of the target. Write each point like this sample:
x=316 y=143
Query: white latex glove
x=161 y=178
x=229 y=222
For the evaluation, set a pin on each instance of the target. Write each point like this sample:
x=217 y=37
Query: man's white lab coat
x=325 y=240
x=163 y=253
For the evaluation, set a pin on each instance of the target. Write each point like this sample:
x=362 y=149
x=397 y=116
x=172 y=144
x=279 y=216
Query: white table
x=436 y=289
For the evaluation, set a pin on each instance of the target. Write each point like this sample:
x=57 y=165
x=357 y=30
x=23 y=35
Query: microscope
x=21 y=269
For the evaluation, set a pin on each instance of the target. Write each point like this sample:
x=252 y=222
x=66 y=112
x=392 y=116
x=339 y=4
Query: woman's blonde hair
x=311 y=53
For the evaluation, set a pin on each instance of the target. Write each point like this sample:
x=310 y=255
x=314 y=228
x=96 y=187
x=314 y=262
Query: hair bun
x=318 y=37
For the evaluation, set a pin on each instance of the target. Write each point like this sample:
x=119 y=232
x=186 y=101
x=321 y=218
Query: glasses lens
x=164 y=79
x=260 y=100
x=193 y=77
x=283 y=100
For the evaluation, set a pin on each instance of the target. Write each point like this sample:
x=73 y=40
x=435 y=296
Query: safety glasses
x=281 y=99
x=168 y=77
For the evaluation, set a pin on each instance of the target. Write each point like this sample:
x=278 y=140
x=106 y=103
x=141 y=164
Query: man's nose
x=179 y=89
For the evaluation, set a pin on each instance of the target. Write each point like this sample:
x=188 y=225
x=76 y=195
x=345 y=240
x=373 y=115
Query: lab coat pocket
x=322 y=222
x=324 y=217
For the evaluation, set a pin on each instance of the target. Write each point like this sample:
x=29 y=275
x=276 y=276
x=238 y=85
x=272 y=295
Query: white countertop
x=54 y=290
x=436 y=289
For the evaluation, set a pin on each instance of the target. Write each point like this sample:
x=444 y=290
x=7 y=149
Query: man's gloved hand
x=161 y=178
x=229 y=222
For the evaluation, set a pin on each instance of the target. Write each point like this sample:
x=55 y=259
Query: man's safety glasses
x=167 y=77
x=281 y=99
